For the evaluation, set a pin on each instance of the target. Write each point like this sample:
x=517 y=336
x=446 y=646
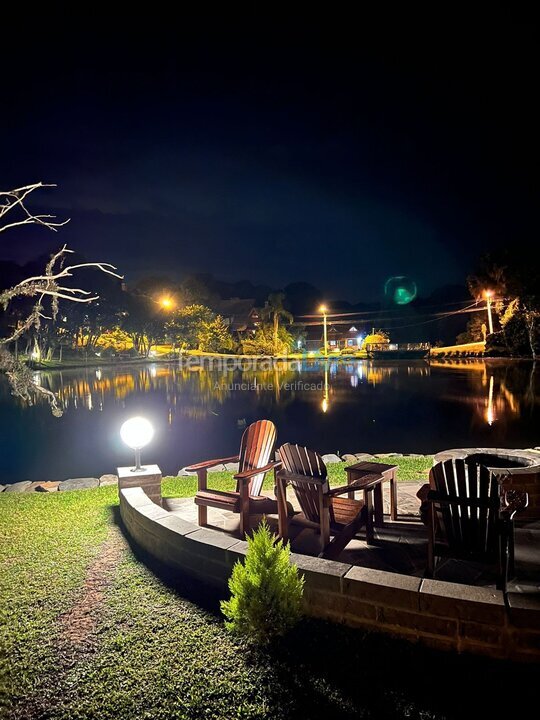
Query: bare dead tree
x=48 y=289
x=16 y=200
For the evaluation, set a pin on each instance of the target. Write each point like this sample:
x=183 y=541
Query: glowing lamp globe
x=136 y=433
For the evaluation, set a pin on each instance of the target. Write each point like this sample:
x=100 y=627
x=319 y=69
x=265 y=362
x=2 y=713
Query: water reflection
x=500 y=390
x=349 y=407
x=496 y=390
x=324 y=404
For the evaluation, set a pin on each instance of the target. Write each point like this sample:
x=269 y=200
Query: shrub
x=214 y=336
x=262 y=343
x=266 y=591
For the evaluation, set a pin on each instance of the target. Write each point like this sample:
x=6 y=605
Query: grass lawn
x=88 y=630
x=410 y=469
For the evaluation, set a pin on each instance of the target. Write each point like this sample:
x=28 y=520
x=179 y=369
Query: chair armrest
x=211 y=463
x=423 y=492
x=441 y=499
x=247 y=474
x=287 y=476
x=361 y=484
x=349 y=488
x=514 y=501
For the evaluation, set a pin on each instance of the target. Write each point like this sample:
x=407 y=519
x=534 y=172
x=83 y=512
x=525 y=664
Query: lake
x=199 y=413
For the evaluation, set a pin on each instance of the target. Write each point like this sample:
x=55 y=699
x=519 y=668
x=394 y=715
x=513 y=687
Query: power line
x=370 y=312
x=442 y=316
x=380 y=321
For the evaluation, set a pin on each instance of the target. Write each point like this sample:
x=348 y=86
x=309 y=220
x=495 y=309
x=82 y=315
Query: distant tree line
x=132 y=322
x=514 y=281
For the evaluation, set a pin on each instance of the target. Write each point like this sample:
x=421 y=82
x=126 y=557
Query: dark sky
x=332 y=152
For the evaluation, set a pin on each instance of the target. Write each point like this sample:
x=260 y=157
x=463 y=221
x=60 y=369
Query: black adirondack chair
x=470 y=518
x=342 y=518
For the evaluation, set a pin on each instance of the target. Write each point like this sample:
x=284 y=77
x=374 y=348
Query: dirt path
x=77 y=637
x=77 y=626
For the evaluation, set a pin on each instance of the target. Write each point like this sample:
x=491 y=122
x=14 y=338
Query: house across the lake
x=241 y=315
x=339 y=337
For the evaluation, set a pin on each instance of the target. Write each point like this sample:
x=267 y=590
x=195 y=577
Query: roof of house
x=235 y=307
x=238 y=311
x=335 y=331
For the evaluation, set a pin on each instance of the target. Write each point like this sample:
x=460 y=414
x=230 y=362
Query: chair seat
x=220 y=499
x=443 y=549
x=224 y=500
x=345 y=511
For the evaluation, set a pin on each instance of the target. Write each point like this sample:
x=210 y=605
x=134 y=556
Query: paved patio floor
x=399 y=546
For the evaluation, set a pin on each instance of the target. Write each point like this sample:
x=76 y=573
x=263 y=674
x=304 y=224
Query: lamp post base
x=149 y=479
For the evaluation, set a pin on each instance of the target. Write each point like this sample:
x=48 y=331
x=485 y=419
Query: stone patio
x=400 y=546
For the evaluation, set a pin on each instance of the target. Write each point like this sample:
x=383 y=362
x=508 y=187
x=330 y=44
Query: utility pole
x=489 y=294
x=323 y=309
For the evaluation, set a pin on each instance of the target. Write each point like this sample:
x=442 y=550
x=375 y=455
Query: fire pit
x=519 y=469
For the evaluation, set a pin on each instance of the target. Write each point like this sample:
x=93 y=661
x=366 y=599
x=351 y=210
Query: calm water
x=199 y=414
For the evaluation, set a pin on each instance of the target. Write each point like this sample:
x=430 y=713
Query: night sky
x=318 y=152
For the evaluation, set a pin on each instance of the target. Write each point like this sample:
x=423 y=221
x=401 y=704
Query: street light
x=323 y=309
x=166 y=303
x=136 y=433
x=488 y=294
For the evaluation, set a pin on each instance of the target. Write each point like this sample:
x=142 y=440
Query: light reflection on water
x=199 y=413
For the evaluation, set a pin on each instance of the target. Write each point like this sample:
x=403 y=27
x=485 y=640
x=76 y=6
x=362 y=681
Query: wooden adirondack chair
x=256 y=448
x=332 y=515
x=469 y=519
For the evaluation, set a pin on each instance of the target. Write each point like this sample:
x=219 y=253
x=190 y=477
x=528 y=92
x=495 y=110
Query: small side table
x=148 y=478
x=365 y=470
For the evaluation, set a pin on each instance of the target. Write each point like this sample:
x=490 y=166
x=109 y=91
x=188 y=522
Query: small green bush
x=266 y=591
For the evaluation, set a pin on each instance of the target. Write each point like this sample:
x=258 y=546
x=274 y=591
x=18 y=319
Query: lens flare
x=400 y=289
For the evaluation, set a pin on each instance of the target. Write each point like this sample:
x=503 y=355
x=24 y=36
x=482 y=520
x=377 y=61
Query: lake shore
x=190 y=357
x=200 y=411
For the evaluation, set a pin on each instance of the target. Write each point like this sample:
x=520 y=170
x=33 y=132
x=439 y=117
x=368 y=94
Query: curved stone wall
x=438 y=614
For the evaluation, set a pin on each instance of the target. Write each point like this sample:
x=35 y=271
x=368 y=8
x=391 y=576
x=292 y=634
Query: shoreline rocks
x=79 y=484
x=331 y=458
x=18 y=487
x=72 y=484
x=69 y=485
x=108 y=480
x=48 y=486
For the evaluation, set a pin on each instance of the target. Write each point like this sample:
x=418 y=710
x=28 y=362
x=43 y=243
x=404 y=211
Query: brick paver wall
x=443 y=615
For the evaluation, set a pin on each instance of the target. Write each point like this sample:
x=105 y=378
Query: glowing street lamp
x=488 y=294
x=166 y=303
x=136 y=433
x=323 y=309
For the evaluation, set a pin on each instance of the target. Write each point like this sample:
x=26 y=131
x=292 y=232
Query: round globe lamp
x=137 y=432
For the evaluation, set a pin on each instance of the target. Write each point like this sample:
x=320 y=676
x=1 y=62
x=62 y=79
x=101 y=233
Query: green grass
x=409 y=470
x=160 y=649
x=46 y=544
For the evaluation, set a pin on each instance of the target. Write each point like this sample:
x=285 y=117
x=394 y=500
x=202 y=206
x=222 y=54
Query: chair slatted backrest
x=256 y=450
x=470 y=529
x=300 y=460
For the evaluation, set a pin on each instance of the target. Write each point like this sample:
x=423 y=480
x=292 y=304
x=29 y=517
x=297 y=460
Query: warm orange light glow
x=166 y=303
x=323 y=308
x=324 y=405
x=488 y=294
x=490 y=411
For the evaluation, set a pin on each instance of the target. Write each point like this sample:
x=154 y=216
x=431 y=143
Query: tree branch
x=15 y=199
x=48 y=285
